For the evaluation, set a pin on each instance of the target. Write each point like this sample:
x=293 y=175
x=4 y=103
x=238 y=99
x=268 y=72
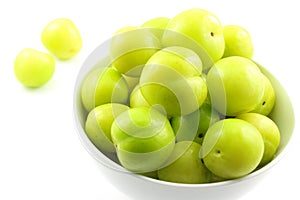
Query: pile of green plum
x=181 y=100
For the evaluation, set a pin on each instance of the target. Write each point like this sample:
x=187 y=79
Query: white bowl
x=140 y=187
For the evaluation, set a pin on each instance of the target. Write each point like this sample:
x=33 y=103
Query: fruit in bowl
x=155 y=145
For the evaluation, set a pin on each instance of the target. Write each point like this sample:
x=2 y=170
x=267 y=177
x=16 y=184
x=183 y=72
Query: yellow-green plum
x=103 y=85
x=232 y=148
x=62 y=38
x=143 y=138
x=137 y=99
x=130 y=49
x=170 y=76
x=184 y=165
x=265 y=106
x=269 y=131
x=132 y=82
x=238 y=41
x=157 y=25
x=199 y=26
x=98 y=125
x=192 y=127
x=33 y=68
x=235 y=84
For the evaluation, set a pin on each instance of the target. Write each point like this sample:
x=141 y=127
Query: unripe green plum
x=131 y=49
x=144 y=139
x=98 y=125
x=265 y=106
x=200 y=26
x=158 y=22
x=192 y=127
x=170 y=76
x=132 y=82
x=33 y=68
x=103 y=85
x=232 y=148
x=269 y=131
x=238 y=41
x=157 y=25
x=235 y=84
x=62 y=38
x=137 y=99
x=184 y=165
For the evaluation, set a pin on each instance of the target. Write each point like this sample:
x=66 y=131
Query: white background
x=41 y=156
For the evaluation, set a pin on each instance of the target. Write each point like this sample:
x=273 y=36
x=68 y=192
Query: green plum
x=171 y=75
x=144 y=139
x=132 y=82
x=265 y=106
x=33 y=68
x=232 y=148
x=103 y=85
x=62 y=38
x=199 y=26
x=130 y=49
x=269 y=131
x=235 y=84
x=238 y=41
x=158 y=22
x=184 y=165
x=137 y=99
x=157 y=25
x=194 y=126
x=98 y=125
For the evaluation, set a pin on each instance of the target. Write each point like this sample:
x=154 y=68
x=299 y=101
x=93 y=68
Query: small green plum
x=200 y=26
x=137 y=99
x=103 y=85
x=269 y=131
x=194 y=126
x=235 y=84
x=171 y=75
x=184 y=165
x=143 y=138
x=232 y=148
x=238 y=41
x=157 y=25
x=130 y=49
x=266 y=105
x=98 y=125
x=62 y=38
x=33 y=68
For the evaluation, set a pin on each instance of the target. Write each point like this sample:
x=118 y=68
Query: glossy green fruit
x=232 y=148
x=235 y=84
x=199 y=26
x=33 y=68
x=98 y=125
x=266 y=105
x=131 y=48
x=186 y=127
x=144 y=139
x=170 y=76
x=103 y=85
x=157 y=25
x=62 y=38
x=269 y=132
x=238 y=41
x=184 y=165
x=137 y=99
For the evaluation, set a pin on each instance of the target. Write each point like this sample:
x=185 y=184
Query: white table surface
x=41 y=156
